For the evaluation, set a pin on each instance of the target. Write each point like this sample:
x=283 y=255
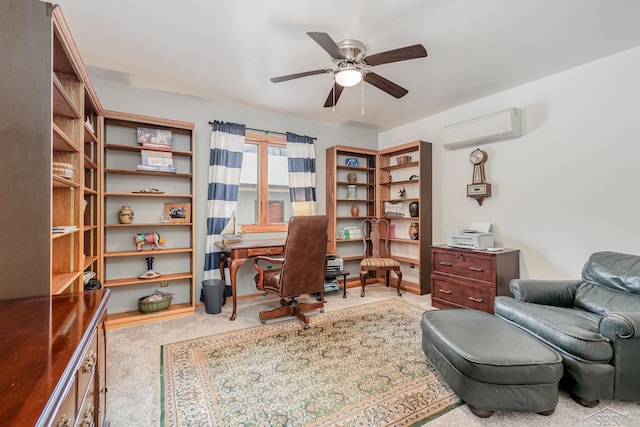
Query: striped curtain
x=302 y=174
x=225 y=164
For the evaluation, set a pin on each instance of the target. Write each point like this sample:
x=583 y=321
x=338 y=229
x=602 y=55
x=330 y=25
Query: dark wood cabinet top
x=42 y=341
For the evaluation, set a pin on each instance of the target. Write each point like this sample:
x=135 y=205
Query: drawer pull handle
x=475 y=299
x=64 y=422
x=89 y=363
x=444 y=291
x=88 y=417
x=446 y=264
x=475 y=269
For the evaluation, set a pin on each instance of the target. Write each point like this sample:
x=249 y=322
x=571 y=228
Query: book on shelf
x=350 y=234
x=156 y=168
x=64 y=228
x=156 y=158
x=154 y=146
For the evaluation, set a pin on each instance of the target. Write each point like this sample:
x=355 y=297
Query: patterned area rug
x=362 y=366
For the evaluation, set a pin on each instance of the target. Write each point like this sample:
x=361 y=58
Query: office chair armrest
x=259 y=279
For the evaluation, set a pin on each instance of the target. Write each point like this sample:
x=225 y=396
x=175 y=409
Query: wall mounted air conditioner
x=505 y=124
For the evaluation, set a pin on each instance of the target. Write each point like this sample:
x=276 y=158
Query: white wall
x=569 y=186
x=121 y=97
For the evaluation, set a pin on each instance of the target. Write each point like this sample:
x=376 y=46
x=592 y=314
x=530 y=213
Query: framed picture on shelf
x=178 y=212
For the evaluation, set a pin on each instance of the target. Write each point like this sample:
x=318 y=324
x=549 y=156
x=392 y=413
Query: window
x=263 y=200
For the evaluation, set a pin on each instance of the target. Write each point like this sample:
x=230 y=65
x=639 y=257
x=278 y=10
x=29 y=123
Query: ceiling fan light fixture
x=348 y=76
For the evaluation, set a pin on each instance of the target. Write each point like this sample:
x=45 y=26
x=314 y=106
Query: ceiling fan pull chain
x=362 y=97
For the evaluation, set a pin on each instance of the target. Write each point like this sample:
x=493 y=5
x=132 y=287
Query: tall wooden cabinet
x=405 y=180
x=379 y=178
x=147 y=193
x=351 y=185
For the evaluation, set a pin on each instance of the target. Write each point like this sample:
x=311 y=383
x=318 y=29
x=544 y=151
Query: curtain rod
x=267 y=131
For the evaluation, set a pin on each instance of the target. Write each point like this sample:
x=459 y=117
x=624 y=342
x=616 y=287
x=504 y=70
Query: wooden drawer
x=86 y=369
x=464 y=264
x=87 y=414
x=66 y=415
x=461 y=294
x=265 y=251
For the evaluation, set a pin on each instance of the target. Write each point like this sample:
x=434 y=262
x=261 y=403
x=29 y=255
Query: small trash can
x=213 y=295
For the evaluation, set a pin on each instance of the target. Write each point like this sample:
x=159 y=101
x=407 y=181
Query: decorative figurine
x=403 y=193
x=154 y=239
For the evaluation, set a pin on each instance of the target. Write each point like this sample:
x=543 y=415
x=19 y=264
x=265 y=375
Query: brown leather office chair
x=303 y=268
x=375 y=239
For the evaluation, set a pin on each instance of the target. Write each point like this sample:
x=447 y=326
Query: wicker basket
x=153 y=306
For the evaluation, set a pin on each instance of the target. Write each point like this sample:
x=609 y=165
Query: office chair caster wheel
x=263 y=321
x=322 y=310
x=305 y=327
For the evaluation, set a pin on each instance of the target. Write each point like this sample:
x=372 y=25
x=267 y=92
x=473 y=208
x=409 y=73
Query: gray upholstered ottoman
x=491 y=364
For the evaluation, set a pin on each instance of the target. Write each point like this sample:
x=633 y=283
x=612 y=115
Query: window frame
x=263 y=142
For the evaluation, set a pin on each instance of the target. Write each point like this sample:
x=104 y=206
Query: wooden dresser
x=464 y=278
x=52 y=360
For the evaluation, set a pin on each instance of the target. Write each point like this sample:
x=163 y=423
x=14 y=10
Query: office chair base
x=292 y=307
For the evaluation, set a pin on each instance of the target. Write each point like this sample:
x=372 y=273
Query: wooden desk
x=238 y=253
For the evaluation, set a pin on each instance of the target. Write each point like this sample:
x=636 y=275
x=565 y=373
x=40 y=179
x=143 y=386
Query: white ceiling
x=227 y=50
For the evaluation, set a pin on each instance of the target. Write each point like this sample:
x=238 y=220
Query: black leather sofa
x=594 y=323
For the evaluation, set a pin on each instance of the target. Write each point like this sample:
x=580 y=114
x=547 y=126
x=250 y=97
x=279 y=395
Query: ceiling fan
x=352 y=66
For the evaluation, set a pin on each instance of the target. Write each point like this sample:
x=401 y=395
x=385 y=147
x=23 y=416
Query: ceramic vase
x=414 y=231
x=125 y=215
x=414 y=210
x=351 y=192
x=355 y=210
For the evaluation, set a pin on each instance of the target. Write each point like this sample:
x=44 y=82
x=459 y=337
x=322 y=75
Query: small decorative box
x=351 y=161
x=403 y=160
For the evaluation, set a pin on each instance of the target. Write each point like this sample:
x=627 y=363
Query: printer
x=478 y=236
x=334 y=264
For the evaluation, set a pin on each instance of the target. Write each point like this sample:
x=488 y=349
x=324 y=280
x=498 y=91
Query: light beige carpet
x=357 y=366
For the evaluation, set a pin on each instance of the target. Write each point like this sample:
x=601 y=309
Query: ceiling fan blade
x=298 y=75
x=402 y=54
x=385 y=85
x=331 y=100
x=327 y=43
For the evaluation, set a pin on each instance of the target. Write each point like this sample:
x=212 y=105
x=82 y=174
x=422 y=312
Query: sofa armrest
x=559 y=293
x=620 y=325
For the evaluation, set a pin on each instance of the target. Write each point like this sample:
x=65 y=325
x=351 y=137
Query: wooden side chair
x=302 y=269
x=375 y=239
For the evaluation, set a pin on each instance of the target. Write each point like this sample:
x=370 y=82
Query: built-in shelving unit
x=342 y=163
x=92 y=127
x=68 y=82
x=408 y=167
x=122 y=186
